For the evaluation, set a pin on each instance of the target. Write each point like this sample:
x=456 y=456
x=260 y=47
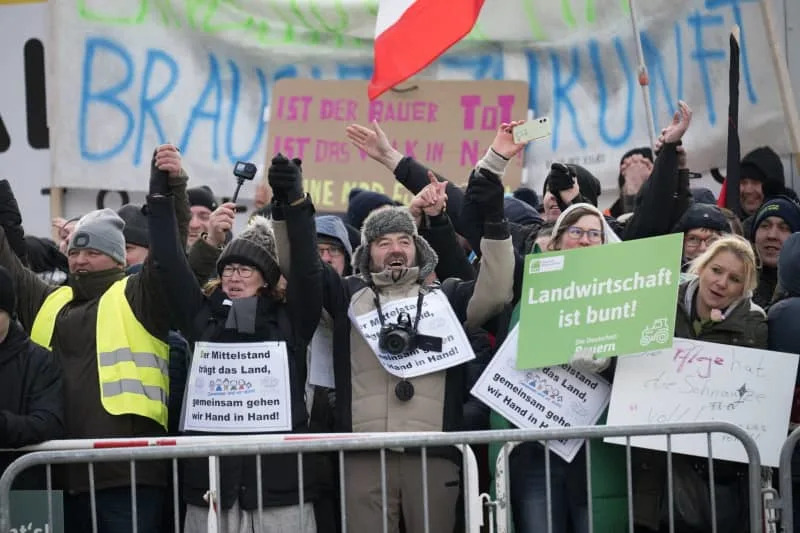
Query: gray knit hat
x=254 y=246
x=392 y=220
x=100 y=230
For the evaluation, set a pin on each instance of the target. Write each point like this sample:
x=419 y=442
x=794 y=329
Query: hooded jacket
x=783 y=333
x=75 y=347
x=205 y=318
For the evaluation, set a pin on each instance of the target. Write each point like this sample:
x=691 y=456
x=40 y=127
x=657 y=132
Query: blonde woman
x=715 y=305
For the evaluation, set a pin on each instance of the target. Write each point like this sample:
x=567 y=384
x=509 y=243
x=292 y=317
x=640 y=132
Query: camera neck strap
x=419 y=307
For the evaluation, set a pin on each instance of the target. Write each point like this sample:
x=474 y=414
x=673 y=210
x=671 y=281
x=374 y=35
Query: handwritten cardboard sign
x=698 y=381
x=446 y=125
x=557 y=396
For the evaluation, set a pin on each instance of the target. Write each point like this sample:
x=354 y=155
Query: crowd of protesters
x=97 y=330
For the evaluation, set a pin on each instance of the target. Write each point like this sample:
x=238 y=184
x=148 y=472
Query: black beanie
x=8 y=297
x=764 y=165
x=703 y=216
x=362 y=203
x=135 y=230
x=781 y=207
x=528 y=196
x=202 y=196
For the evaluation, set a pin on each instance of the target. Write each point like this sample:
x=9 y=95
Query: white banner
x=238 y=388
x=555 y=396
x=437 y=319
x=130 y=74
x=698 y=381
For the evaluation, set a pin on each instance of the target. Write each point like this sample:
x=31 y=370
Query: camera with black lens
x=402 y=338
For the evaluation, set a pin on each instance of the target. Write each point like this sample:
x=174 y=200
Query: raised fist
x=286 y=179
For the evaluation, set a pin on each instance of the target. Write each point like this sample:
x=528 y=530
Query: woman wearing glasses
x=579 y=225
x=248 y=304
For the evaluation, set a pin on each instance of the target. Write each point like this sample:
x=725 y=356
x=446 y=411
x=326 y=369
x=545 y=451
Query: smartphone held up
x=532 y=130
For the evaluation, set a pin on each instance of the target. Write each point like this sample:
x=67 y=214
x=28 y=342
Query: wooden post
x=784 y=82
x=56 y=208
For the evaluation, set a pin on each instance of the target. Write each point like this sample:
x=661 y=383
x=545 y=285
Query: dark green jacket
x=74 y=344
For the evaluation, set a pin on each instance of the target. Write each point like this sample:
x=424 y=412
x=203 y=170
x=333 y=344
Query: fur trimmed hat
x=392 y=220
x=254 y=246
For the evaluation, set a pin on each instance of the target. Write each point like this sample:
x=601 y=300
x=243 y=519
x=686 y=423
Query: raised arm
x=659 y=196
x=304 y=288
x=31 y=291
x=146 y=290
x=428 y=208
x=180 y=287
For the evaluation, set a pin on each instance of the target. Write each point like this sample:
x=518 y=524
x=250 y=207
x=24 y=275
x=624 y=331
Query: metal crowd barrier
x=133 y=450
x=783 y=502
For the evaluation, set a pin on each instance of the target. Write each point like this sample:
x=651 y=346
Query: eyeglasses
x=332 y=251
x=693 y=242
x=576 y=233
x=243 y=271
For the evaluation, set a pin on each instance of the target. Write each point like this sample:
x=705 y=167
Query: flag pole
x=784 y=83
x=734 y=147
x=644 y=78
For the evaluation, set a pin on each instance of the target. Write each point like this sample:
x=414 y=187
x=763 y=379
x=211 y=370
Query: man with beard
x=775 y=221
x=393 y=267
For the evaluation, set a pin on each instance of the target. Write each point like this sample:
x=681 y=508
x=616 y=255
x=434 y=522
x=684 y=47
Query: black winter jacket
x=31 y=402
x=204 y=319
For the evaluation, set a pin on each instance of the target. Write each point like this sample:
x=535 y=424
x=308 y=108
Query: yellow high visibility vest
x=133 y=366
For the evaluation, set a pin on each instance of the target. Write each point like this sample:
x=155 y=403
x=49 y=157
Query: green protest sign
x=615 y=299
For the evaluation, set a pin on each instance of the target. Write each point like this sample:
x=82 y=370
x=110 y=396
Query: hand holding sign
x=375 y=143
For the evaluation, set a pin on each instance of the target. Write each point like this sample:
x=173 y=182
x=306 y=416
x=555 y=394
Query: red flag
x=411 y=34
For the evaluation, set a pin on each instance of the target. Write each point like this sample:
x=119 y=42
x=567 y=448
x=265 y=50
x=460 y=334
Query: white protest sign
x=129 y=75
x=238 y=388
x=698 y=381
x=437 y=319
x=555 y=396
x=320 y=370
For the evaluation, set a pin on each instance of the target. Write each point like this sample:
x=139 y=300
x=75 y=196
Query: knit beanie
x=361 y=203
x=392 y=220
x=135 y=231
x=703 y=216
x=255 y=246
x=764 y=165
x=701 y=195
x=100 y=230
x=781 y=207
x=8 y=296
x=528 y=196
x=202 y=196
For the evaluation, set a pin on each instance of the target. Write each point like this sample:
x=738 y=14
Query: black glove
x=486 y=192
x=11 y=220
x=159 y=179
x=560 y=178
x=286 y=179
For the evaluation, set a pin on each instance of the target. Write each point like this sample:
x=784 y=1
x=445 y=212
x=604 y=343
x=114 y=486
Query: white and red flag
x=410 y=34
